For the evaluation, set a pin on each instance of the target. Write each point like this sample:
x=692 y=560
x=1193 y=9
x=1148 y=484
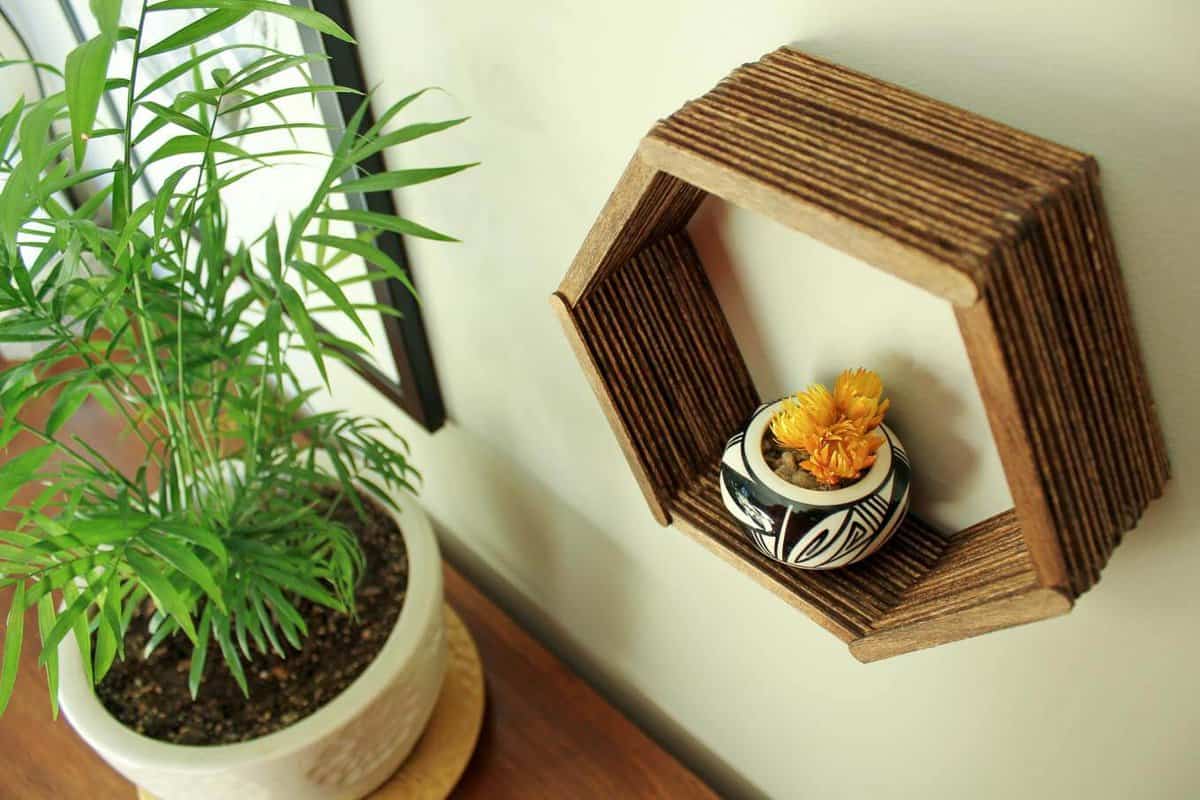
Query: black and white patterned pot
x=808 y=528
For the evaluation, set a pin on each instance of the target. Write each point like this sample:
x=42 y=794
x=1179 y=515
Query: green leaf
x=250 y=622
x=265 y=622
x=299 y=314
x=186 y=562
x=242 y=133
x=271 y=325
x=134 y=603
x=12 y=646
x=35 y=130
x=8 y=125
x=200 y=652
x=338 y=163
x=194 y=62
x=406 y=134
x=106 y=647
x=193 y=143
x=385 y=222
x=65 y=406
x=394 y=109
x=71 y=618
x=86 y=71
x=202 y=28
x=161 y=628
x=274 y=262
x=279 y=94
x=197 y=535
x=221 y=629
x=166 y=597
x=20 y=470
x=75 y=620
x=107 y=530
x=316 y=276
x=304 y=16
x=176 y=117
x=369 y=253
x=398 y=179
x=11 y=62
x=68 y=181
x=132 y=227
x=108 y=15
x=45 y=624
x=120 y=195
x=290 y=621
x=258 y=72
x=336 y=345
x=163 y=201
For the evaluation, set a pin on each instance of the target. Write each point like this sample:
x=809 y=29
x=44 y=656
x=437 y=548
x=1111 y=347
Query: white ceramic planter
x=806 y=528
x=342 y=752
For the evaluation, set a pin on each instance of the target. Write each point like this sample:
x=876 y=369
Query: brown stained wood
x=673 y=352
x=546 y=733
x=843 y=601
x=1019 y=608
x=903 y=260
x=1012 y=440
x=563 y=310
x=1103 y=249
x=645 y=204
x=1007 y=226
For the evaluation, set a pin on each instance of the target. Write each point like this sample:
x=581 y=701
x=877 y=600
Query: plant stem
x=183 y=262
x=79 y=457
x=146 y=336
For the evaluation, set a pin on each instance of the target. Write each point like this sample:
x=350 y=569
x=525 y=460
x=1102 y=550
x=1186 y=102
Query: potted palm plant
x=258 y=607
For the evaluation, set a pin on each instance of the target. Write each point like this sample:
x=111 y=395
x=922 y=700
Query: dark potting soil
x=151 y=696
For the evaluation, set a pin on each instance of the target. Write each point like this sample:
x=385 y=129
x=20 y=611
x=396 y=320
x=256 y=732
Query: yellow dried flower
x=834 y=429
x=841 y=453
x=801 y=420
x=858 y=394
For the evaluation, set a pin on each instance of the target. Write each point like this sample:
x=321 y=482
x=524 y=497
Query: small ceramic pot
x=343 y=751
x=809 y=528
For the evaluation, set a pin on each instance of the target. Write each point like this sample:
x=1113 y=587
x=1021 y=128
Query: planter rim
x=96 y=725
x=869 y=483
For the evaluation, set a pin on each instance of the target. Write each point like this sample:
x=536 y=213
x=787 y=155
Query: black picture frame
x=406 y=335
x=416 y=390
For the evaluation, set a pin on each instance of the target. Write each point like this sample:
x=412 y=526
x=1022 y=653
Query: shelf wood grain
x=1007 y=227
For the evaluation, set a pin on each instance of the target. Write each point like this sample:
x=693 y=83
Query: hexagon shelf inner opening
x=1007 y=227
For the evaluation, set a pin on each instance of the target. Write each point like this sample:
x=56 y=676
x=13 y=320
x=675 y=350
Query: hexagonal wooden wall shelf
x=1007 y=227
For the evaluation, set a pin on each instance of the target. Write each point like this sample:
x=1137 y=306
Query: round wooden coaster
x=442 y=753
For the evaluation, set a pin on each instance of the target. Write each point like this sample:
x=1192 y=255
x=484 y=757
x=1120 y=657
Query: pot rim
x=105 y=733
x=756 y=429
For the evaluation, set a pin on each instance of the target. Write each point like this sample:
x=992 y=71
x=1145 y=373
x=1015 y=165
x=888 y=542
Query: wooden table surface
x=546 y=733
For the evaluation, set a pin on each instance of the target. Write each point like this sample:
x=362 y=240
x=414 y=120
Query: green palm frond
x=156 y=312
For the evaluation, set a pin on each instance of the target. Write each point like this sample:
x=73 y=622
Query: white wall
x=534 y=497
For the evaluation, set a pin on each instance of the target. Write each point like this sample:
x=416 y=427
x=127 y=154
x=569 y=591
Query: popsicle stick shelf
x=1007 y=227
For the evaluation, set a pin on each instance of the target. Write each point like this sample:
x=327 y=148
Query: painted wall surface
x=532 y=493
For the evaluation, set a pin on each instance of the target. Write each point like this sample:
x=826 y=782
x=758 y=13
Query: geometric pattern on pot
x=807 y=528
x=1007 y=227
